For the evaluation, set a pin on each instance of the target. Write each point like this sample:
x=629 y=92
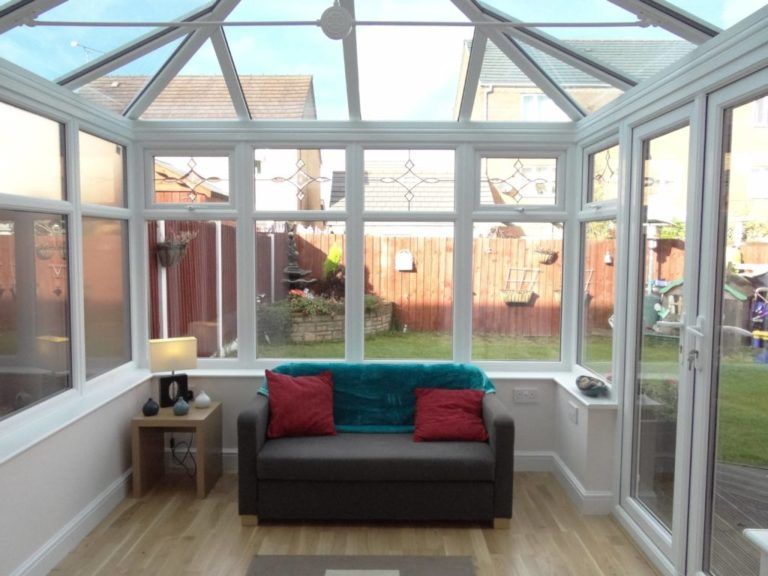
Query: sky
x=405 y=73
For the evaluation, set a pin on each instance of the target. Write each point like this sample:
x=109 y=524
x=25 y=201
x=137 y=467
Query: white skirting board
x=71 y=534
x=586 y=501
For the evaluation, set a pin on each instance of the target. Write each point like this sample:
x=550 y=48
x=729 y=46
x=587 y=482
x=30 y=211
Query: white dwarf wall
x=55 y=492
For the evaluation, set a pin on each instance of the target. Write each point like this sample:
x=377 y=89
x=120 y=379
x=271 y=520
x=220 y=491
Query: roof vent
x=336 y=22
x=115 y=84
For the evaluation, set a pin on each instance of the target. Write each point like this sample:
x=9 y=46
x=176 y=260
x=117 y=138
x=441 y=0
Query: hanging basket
x=545 y=255
x=516 y=297
x=169 y=254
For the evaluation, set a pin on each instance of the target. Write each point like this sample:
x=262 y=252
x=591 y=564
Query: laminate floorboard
x=169 y=532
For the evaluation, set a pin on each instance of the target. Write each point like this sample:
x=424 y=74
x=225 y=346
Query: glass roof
x=116 y=90
x=416 y=77
x=403 y=60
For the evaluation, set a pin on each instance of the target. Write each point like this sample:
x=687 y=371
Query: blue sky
x=405 y=73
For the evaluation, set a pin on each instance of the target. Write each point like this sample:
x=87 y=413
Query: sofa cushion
x=449 y=415
x=375 y=398
x=374 y=458
x=300 y=405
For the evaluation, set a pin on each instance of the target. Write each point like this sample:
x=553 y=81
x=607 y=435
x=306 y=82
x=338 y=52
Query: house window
x=106 y=295
x=193 y=283
x=300 y=279
x=516 y=290
x=603 y=182
x=191 y=180
x=290 y=179
x=596 y=304
x=34 y=308
x=31 y=154
x=761 y=111
x=101 y=171
x=515 y=181
x=540 y=108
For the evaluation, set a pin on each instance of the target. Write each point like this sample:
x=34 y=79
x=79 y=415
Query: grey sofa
x=372 y=476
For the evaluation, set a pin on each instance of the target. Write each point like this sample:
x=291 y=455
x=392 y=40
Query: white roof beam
x=25 y=11
x=472 y=76
x=528 y=67
x=555 y=48
x=671 y=18
x=129 y=52
x=174 y=65
x=350 y=66
x=232 y=80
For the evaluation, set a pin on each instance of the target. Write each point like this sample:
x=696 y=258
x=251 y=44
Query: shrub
x=274 y=322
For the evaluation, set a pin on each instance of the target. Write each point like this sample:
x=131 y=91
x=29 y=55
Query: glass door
x=664 y=253
x=731 y=453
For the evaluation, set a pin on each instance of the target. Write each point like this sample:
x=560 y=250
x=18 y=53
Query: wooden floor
x=169 y=532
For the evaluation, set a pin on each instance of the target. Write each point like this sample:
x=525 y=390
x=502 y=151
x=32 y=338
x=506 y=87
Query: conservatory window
x=106 y=295
x=300 y=304
x=515 y=181
x=291 y=179
x=603 y=179
x=34 y=308
x=517 y=290
x=596 y=304
x=101 y=171
x=191 y=180
x=31 y=154
x=192 y=283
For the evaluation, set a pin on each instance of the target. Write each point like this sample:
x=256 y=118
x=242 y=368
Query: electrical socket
x=525 y=395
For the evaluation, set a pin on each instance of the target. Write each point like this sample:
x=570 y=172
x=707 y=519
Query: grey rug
x=361 y=566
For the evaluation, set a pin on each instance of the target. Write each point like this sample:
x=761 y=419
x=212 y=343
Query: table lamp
x=172 y=354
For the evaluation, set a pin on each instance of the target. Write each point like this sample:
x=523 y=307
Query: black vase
x=150 y=408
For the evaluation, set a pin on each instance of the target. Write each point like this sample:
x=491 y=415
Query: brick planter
x=331 y=328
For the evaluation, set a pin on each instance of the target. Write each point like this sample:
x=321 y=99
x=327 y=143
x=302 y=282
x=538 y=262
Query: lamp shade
x=168 y=354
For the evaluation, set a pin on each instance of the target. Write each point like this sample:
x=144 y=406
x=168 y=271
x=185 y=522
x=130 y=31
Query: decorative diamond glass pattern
x=510 y=180
x=293 y=179
x=409 y=180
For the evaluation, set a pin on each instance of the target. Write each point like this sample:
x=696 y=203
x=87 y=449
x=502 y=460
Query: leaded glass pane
x=299 y=179
x=195 y=179
x=518 y=181
x=409 y=180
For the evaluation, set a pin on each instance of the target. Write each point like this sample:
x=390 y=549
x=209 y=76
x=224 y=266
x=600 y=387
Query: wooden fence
x=423 y=297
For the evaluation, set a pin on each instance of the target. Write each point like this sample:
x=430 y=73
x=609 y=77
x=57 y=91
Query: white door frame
x=671 y=545
x=704 y=407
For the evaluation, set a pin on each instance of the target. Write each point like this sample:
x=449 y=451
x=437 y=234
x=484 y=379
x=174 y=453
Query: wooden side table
x=147 y=438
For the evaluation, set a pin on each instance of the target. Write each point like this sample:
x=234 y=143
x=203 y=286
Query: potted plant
x=546 y=255
x=172 y=250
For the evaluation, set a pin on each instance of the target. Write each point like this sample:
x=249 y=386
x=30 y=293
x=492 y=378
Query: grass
x=423 y=345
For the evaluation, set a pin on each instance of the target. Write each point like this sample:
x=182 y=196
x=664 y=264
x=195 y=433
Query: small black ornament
x=150 y=408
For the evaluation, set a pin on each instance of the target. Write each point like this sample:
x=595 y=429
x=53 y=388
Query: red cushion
x=300 y=405
x=449 y=415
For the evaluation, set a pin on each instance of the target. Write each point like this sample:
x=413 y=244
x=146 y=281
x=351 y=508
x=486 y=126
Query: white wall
x=55 y=492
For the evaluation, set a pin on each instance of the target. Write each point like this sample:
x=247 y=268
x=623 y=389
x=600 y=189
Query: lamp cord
x=186 y=446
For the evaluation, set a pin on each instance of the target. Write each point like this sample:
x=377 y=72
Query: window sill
x=564 y=379
x=24 y=430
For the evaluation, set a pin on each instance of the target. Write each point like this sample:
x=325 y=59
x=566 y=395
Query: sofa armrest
x=501 y=436
x=251 y=436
